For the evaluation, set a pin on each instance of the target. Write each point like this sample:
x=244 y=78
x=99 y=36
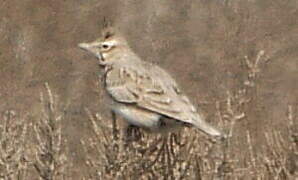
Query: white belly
x=137 y=116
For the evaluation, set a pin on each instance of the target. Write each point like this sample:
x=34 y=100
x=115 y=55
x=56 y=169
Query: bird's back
x=149 y=87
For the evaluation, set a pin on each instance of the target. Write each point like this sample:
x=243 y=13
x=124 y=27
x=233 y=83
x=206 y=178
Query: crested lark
x=143 y=94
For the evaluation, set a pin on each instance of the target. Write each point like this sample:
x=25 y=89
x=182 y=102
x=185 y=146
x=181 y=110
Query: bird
x=142 y=93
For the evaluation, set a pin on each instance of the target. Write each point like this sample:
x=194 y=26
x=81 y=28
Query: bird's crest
x=108 y=31
x=112 y=33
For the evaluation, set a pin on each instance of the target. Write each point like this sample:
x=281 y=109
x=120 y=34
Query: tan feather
x=139 y=87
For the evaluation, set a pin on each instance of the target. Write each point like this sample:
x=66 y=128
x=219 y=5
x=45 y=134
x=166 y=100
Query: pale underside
x=148 y=120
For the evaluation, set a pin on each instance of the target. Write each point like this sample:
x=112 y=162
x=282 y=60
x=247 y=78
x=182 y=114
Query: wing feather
x=152 y=89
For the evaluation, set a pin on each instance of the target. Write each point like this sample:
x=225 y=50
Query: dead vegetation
x=183 y=155
x=13 y=136
x=254 y=40
x=188 y=155
x=50 y=161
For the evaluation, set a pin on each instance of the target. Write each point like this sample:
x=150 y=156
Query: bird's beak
x=91 y=47
x=85 y=46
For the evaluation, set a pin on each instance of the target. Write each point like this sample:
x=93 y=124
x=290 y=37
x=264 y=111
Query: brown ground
x=203 y=44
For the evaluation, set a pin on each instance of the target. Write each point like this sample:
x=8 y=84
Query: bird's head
x=107 y=47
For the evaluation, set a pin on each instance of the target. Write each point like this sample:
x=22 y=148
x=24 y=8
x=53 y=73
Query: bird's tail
x=202 y=125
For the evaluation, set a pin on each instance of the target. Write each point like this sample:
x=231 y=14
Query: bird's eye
x=105 y=46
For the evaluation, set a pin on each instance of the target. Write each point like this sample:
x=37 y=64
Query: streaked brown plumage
x=143 y=93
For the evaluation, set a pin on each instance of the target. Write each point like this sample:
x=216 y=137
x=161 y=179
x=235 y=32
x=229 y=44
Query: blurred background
x=237 y=60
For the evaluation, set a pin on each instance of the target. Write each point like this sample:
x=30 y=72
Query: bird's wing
x=151 y=88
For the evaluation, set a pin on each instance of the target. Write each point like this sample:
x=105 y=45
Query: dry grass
x=13 y=136
x=186 y=155
x=51 y=160
x=183 y=155
x=246 y=45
